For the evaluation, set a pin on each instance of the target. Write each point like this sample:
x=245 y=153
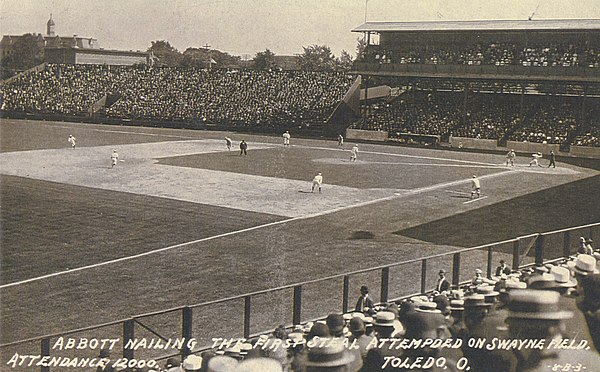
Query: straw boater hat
x=259 y=365
x=428 y=307
x=532 y=304
x=543 y=281
x=562 y=276
x=457 y=305
x=384 y=319
x=221 y=363
x=584 y=265
x=476 y=300
x=192 y=363
x=487 y=291
x=333 y=354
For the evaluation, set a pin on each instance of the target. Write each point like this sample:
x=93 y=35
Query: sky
x=245 y=27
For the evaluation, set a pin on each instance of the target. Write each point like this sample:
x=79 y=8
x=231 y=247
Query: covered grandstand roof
x=493 y=25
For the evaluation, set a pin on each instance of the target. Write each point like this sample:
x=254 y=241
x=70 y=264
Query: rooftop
x=489 y=25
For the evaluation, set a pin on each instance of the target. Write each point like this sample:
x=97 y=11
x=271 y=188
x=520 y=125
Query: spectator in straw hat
x=219 y=363
x=589 y=305
x=583 y=265
x=536 y=315
x=457 y=308
x=193 y=363
x=384 y=328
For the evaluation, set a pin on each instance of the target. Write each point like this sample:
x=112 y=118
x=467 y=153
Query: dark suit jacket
x=443 y=286
x=367 y=303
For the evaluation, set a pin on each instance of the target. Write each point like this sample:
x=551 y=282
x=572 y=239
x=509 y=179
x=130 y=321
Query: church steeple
x=50 y=26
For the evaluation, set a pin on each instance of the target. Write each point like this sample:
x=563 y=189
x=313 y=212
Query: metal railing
x=533 y=249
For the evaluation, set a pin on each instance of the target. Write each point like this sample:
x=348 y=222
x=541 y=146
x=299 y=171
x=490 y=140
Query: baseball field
x=181 y=220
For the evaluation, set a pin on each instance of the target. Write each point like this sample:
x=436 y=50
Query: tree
x=264 y=60
x=27 y=52
x=361 y=44
x=165 y=54
x=316 y=58
x=345 y=61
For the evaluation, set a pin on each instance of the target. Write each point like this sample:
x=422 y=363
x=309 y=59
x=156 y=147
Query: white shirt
x=318 y=179
x=475 y=183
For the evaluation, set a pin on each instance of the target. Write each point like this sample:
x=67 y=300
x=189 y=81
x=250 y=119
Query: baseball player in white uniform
x=71 y=140
x=475 y=187
x=510 y=158
x=354 y=153
x=317 y=182
x=286 y=138
x=114 y=158
x=535 y=158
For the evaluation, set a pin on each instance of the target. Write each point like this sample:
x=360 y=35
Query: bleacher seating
x=218 y=96
x=497 y=54
x=542 y=119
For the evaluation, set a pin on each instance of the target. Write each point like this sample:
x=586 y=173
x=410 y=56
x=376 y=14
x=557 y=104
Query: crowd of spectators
x=216 y=96
x=497 y=54
x=548 y=120
x=531 y=118
x=553 y=308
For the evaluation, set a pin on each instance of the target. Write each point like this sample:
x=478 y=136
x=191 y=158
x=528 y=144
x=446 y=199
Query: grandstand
x=514 y=82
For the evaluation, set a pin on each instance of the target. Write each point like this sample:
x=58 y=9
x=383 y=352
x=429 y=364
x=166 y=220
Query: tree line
x=28 y=51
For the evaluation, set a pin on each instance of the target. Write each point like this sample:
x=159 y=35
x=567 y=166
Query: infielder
x=535 y=157
x=317 y=182
x=71 y=140
x=114 y=158
x=228 y=143
x=286 y=138
x=475 y=187
x=340 y=140
x=354 y=153
x=510 y=158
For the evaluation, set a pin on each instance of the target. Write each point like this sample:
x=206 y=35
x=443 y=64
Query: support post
x=247 y=309
x=385 y=281
x=456 y=270
x=186 y=330
x=297 y=305
x=45 y=351
x=539 y=250
x=128 y=335
x=516 y=261
x=345 y=294
x=423 y=276
x=489 y=261
x=567 y=244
